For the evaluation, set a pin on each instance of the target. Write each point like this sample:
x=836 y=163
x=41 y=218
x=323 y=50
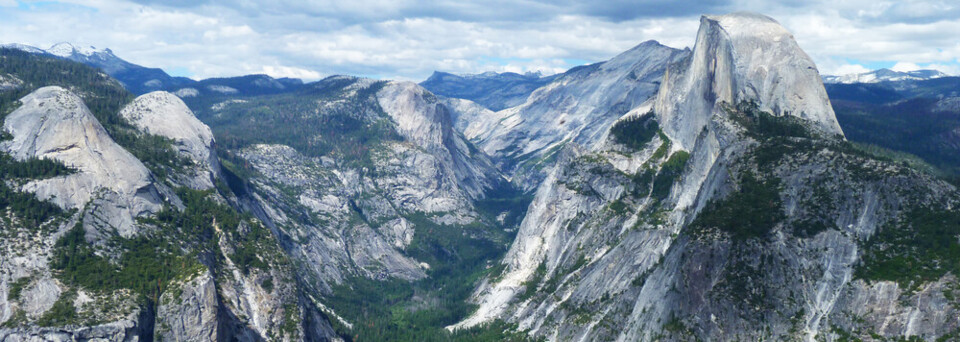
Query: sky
x=408 y=40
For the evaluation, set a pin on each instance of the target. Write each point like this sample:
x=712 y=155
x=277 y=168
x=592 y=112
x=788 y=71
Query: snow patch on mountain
x=22 y=47
x=65 y=50
x=187 y=92
x=884 y=75
x=222 y=89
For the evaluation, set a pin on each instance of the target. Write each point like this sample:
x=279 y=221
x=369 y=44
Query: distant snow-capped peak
x=884 y=75
x=66 y=50
x=22 y=47
x=63 y=49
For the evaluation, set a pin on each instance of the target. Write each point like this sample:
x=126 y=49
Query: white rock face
x=164 y=114
x=742 y=57
x=539 y=239
x=469 y=117
x=417 y=119
x=598 y=257
x=339 y=244
x=421 y=118
x=8 y=82
x=221 y=105
x=578 y=106
x=54 y=123
x=40 y=297
x=192 y=316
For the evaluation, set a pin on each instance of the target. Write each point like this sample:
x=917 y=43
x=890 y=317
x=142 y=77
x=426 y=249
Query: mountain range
x=884 y=75
x=141 y=80
x=719 y=192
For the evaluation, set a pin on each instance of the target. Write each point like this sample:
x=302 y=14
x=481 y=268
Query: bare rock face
x=126 y=331
x=341 y=244
x=8 y=82
x=577 y=107
x=189 y=313
x=469 y=117
x=164 y=114
x=351 y=219
x=622 y=243
x=114 y=189
x=742 y=57
x=422 y=118
x=54 y=123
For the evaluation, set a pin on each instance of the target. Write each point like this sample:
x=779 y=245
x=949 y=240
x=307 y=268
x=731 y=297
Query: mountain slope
x=747 y=217
x=165 y=115
x=122 y=250
x=228 y=87
x=141 y=80
x=374 y=194
x=52 y=123
x=743 y=58
x=918 y=117
x=576 y=107
x=136 y=78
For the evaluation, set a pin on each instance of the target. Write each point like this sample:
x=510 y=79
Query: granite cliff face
x=164 y=114
x=346 y=219
x=748 y=217
x=575 y=107
x=742 y=57
x=118 y=205
x=54 y=123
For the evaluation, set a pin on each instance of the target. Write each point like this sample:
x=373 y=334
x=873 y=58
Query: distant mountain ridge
x=493 y=90
x=921 y=117
x=137 y=79
x=141 y=80
x=884 y=75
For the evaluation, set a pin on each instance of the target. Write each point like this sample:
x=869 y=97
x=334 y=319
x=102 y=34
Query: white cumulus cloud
x=409 y=40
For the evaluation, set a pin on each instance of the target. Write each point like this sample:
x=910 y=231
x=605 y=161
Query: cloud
x=409 y=39
x=292 y=72
x=847 y=69
x=905 y=66
x=944 y=68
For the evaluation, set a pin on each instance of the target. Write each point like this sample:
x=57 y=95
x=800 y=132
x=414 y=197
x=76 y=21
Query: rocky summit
x=713 y=193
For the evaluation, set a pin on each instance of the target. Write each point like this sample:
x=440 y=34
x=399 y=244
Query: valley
x=719 y=192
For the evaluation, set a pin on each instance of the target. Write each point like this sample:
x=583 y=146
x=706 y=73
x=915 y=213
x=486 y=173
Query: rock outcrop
x=742 y=57
x=164 y=114
x=120 y=331
x=120 y=208
x=191 y=311
x=423 y=119
x=749 y=218
x=577 y=107
x=54 y=123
